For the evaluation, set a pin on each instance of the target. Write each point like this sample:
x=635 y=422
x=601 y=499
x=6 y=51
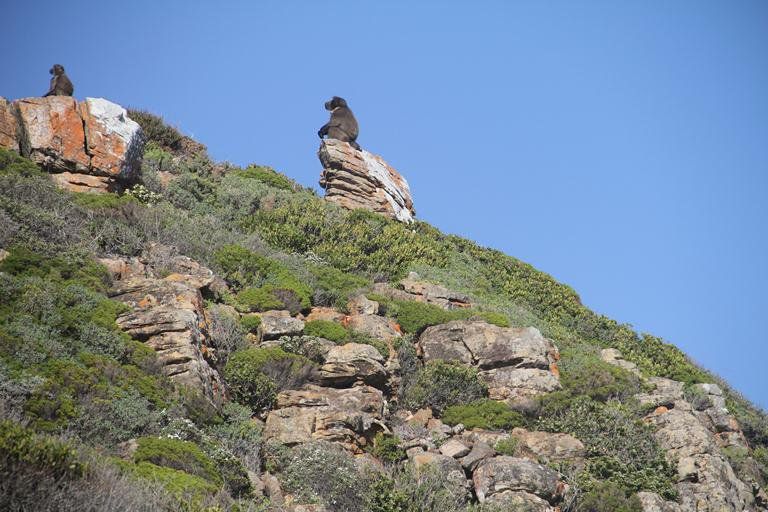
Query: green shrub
x=269 y=176
x=96 y=201
x=12 y=163
x=506 y=446
x=582 y=372
x=177 y=454
x=334 y=287
x=415 y=316
x=257 y=299
x=185 y=487
x=250 y=322
x=156 y=130
x=254 y=375
x=276 y=282
x=608 y=497
x=69 y=268
x=326 y=329
x=385 y=447
x=441 y=384
x=486 y=413
x=367 y=339
x=620 y=448
x=22 y=447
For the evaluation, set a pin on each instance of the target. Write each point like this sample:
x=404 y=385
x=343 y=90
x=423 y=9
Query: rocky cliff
x=229 y=341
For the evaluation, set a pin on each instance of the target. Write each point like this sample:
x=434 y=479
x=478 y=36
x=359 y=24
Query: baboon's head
x=334 y=103
x=57 y=69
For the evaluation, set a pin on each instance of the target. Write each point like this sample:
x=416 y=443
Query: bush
x=250 y=323
x=269 y=176
x=321 y=472
x=582 y=372
x=254 y=375
x=608 y=497
x=385 y=447
x=326 y=329
x=21 y=447
x=441 y=384
x=415 y=316
x=486 y=413
x=96 y=201
x=257 y=299
x=620 y=448
x=334 y=287
x=506 y=446
x=12 y=163
x=177 y=454
x=185 y=487
x=156 y=130
x=67 y=268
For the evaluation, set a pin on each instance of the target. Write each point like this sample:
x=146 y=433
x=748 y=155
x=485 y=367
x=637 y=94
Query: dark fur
x=61 y=85
x=342 y=125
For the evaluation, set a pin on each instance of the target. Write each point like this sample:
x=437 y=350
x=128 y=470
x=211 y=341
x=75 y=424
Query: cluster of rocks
x=164 y=295
x=693 y=435
x=359 y=179
x=90 y=146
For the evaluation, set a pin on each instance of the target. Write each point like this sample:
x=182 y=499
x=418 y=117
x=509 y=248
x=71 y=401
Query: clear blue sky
x=620 y=146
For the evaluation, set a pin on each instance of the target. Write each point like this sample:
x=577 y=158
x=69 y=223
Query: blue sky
x=620 y=146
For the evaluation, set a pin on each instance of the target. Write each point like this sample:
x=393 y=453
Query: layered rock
x=351 y=363
x=167 y=314
x=89 y=146
x=415 y=289
x=517 y=364
x=359 y=179
x=512 y=481
x=349 y=417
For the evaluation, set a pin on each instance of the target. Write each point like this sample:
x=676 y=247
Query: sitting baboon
x=343 y=125
x=60 y=83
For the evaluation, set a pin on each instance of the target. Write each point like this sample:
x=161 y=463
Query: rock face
x=517 y=364
x=167 y=314
x=416 y=289
x=353 y=362
x=359 y=179
x=507 y=480
x=346 y=416
x=89 y=146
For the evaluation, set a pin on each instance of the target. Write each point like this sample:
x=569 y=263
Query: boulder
x=454 y=448
x=379 y=327
x=353 y=362
x=324 y=313
x=168 y=316
x=362 y=305
x=480 y=451
x=349 y=417
x=503 y=473
x=665 y=393
x=447 y=467
x=431 y=293
x=359 y=179
x=278 y=323
x=614 y=357
x=8 y=126
x=93 y=144
x=652 y=502
x=548 y=447
x=519 y=386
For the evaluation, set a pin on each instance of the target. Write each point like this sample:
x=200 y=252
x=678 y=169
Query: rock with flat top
x=353 y=362
x=358 y=179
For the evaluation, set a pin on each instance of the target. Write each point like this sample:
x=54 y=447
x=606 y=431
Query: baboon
x=60 y=83
x=343 y=125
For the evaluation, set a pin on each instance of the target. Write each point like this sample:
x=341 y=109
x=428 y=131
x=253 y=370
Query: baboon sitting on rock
x=61 y=85
x=342 y=125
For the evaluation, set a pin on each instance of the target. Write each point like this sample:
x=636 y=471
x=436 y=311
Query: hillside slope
x=219 y=338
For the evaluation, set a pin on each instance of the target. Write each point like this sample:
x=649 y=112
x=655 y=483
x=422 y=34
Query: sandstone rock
x=345 y=416
x=164 y=260
x=503 y=473
x=353 y=362
x=652 y=502
x=358 y=179
x=424 y=291
x=114 y=141
x=362 y=305
x=94 y=138
x=8 y=126
x=614 y=357
x=323 y=313
x=375 y=326
x=169 y=317
x=272 y=489
x=480 y=451
x=666 y=393
x=420 y=417
x=548 y=447
x=519 y=385
x=487 y=345
x=278 y=323
x=454 y=448
x=53 y=134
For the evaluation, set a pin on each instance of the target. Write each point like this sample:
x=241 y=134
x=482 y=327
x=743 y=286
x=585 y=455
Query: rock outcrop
x=416 y=289
x=90 y=145
x=511 y=481
x=517 y=364
x=349 y=417
x=359 y=179
x=167 y=314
